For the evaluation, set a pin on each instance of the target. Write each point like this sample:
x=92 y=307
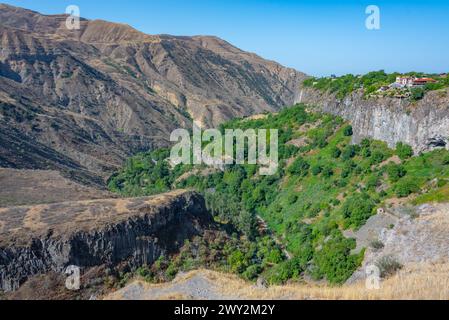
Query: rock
x=126 y=232
x=424 y=125
x=261 y=283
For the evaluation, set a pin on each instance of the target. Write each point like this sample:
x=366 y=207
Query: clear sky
x=316 y=37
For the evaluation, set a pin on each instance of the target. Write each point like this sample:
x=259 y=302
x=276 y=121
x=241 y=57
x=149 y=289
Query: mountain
x=81 y=101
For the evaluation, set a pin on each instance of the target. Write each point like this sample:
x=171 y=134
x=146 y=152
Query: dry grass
x=414 y=282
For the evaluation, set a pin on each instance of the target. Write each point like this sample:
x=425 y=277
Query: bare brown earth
x=82 y=101
x=26 y=187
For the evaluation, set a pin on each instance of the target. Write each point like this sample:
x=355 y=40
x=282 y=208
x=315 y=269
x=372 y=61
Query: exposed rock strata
x=133 y=232
x=82 y=101
x=424 y=124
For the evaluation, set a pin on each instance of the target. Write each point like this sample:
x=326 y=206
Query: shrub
x=237 y=261
x=349 y=152
x=366 y=152
x=348 y=131
x=388 y=266
x=292 y=199
x=377 y=245
x=328 y=172
x=377 y=157
x=406 y=187
x=335 y=152
x=316 y=170
x=299 y=167
x=417 y=94
x=446 y=160
x=373 y=182
x=357 y=209
x=285 y=271
x=334 y=261
x=252 y=272
x=395 y=172
x=171 y=272
x=404 y=151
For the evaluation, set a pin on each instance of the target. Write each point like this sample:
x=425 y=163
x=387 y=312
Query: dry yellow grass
x=414 y=282
x=425 y=281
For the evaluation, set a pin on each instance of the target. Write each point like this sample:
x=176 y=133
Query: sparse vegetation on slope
x=324 y=186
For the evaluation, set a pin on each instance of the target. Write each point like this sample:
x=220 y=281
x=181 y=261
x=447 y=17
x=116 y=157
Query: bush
x=171 y=272
x=395 y=172
x=292 y=199
x=357 y=210
x=237 y=261
x=406 y=187
x=377 y=245
x=335 y=152
x=348 y=131
x=446 y=160
x=373 y=182
x=404 y=151
x=290 y=269
x=349 y=152
x=334 y=261
x=377 y=157
x=299 y=167
x=316 y=170
x=328 y=172
x=388 y=266
x=252 y=272
x=417 y=94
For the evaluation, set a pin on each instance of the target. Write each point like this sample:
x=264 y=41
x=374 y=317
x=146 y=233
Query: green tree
x=347 y=131
x=299 y=167
x=357 y=209
x=406 y=187
x=404 y=151
x=395 y=172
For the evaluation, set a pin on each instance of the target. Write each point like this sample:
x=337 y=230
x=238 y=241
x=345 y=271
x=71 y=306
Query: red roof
x=425 y=80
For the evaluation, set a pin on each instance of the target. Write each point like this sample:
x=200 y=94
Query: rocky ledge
x=422 y=124
x=35 y=240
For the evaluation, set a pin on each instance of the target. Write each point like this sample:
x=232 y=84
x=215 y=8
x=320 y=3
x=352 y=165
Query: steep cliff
x=423 y=124
x=133 y=232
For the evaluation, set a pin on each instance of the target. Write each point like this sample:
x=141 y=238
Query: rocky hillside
x=423 y=124
x=82 y=101
x=35 y=240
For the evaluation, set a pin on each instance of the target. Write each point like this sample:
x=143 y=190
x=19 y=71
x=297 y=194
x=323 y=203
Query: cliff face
x=132 y=232
x=424 y=124
x=82 y=101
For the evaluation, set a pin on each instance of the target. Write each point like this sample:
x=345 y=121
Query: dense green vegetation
x=323 y=187
x=371 y=82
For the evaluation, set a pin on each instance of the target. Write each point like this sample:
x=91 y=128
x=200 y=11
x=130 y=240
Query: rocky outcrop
x=424 y=124
x=418 y=236
x=128 y=232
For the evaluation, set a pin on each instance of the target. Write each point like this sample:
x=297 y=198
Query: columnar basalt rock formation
x=423 y=124
x=128 y=232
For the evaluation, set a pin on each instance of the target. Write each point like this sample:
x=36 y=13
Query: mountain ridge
x=108 y=91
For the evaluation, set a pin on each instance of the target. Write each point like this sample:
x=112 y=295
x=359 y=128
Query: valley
x=325 y=189
x=86 y=179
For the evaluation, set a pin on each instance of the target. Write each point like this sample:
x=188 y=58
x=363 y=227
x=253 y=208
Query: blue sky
x=316 y=37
